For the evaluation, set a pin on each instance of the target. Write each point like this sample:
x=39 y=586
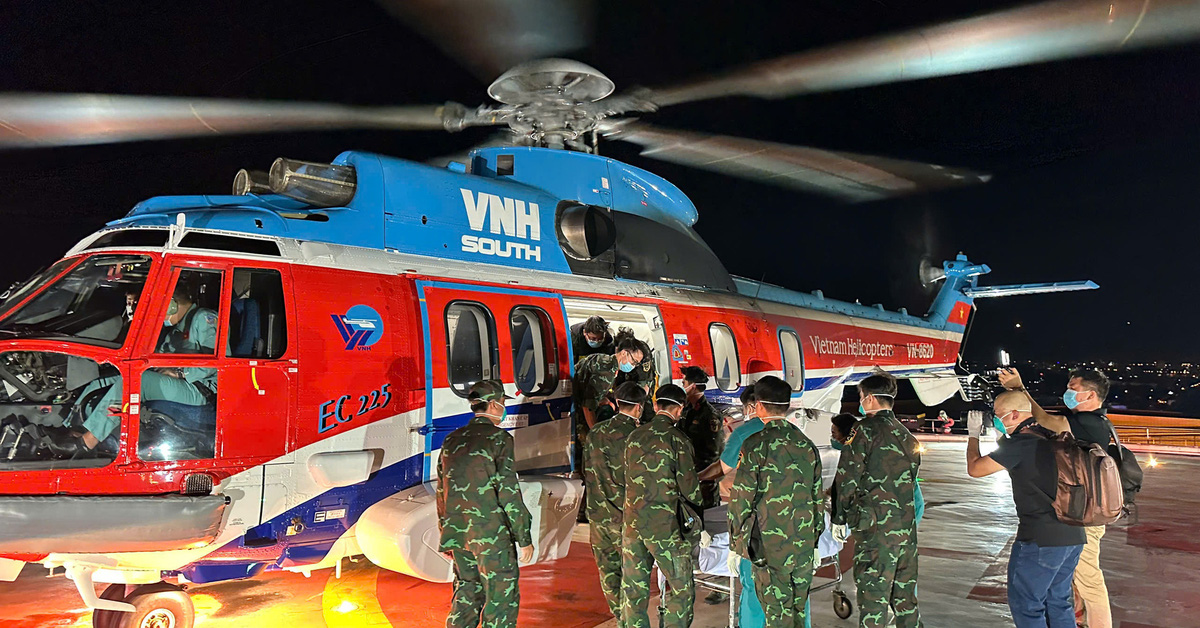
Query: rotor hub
x=550 y=79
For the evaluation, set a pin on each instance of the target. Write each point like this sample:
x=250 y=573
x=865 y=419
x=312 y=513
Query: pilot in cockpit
x=187 y=330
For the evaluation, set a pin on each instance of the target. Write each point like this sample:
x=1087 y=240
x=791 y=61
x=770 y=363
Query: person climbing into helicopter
x=187 y=329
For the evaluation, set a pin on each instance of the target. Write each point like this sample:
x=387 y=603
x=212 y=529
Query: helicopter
x=339 y=310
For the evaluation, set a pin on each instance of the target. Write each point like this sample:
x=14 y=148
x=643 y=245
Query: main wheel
x=155 y=607
x=109 y=619
x=842 y=606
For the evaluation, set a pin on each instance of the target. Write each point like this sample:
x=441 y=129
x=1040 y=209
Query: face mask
x=129 y=311
x=861 y=412
x=999 y=425
x=836 y=445
x=595 y=344
x=625 y=367
x=1070 y=399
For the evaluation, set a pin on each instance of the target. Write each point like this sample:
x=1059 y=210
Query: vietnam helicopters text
x=350 y=303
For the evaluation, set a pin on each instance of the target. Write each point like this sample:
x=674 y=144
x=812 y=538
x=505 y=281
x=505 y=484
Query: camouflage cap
x=487 y=390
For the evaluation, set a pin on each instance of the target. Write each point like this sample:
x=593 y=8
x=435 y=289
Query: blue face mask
x=836 y=445
x=999 y=425
x=861 y=412
x=1069 y=399
x=625 y=367
x=595 y=344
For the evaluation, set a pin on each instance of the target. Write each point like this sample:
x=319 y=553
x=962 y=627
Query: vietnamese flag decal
x=960 y=313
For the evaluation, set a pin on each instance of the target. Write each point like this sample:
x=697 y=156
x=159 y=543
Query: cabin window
x=793 y=360
x=178 y=415
x=535 y=364
x=257 y=320
x=216 y=242
x=190 y=327
x=725 y=357
x=472 y=354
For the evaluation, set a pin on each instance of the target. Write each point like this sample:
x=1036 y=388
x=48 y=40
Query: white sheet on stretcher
x=713 y=560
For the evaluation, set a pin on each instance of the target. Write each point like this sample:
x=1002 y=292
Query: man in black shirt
x=1084 y=398
x=591 y=336
x=1046 y=551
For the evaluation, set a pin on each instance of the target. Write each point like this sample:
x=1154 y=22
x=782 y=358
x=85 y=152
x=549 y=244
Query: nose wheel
x=155 y=606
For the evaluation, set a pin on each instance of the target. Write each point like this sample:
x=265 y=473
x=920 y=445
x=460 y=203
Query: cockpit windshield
x=46 y=400
x=93 y=303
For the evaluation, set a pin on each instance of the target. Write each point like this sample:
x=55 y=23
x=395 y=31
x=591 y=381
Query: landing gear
x=842 y=606
x=157 y=605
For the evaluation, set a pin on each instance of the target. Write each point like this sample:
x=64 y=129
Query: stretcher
x=712 y=567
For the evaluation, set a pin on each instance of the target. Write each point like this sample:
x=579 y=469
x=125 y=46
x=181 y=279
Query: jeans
x=1039 y=585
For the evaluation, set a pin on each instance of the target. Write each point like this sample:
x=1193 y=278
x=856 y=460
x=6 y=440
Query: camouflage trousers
x=606 y=547
x=674 y=558
x=886 y=576
x=783 y=594
x=485 y=587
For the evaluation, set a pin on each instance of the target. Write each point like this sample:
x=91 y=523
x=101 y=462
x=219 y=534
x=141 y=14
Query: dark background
x=1095 y=160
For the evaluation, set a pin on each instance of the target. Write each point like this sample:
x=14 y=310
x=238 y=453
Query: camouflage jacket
x=478 y=499
x=779 y=484
x=703 y=426
x=659 y=472
x=875 y=479
x=594 y=378
x=604 y=469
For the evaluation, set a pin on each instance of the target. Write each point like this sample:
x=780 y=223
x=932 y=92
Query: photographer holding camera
x=1085 y=420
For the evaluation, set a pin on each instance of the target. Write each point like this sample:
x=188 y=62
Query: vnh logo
x=510 y=217
x=360 y=327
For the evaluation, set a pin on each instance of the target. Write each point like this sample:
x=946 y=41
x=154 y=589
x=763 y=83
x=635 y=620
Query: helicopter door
x=517 y=336
x=217 y=383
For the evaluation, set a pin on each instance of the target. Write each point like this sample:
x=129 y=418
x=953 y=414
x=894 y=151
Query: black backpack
x=1127 y=466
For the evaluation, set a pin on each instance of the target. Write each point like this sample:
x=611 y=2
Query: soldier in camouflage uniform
x=481 y=515
x=704 y=427
x=778 y=486
x=645 y=374
x=595 y=376
x=604 y=473
x=874 y=487
x=659 y=474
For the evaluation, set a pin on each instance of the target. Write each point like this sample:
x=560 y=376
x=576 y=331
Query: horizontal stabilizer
x=983 y=292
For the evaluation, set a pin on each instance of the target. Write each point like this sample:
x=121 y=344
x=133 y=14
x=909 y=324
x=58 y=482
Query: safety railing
x=1173 y=436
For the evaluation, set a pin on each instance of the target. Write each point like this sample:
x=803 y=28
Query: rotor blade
x=30 y=120
x=845 y=176
x=1032 y=34
x=490 y=36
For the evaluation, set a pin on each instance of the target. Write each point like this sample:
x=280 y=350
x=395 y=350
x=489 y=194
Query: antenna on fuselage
x=754 y=300
x=177 y=230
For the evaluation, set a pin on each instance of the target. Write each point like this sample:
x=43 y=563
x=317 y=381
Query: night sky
x=1095 y=160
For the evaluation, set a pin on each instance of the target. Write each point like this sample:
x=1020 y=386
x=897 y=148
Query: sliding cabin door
x=520 y=337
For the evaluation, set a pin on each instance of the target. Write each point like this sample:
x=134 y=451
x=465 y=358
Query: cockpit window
x=48 y=402
x=93 y=303
x=18 y=291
